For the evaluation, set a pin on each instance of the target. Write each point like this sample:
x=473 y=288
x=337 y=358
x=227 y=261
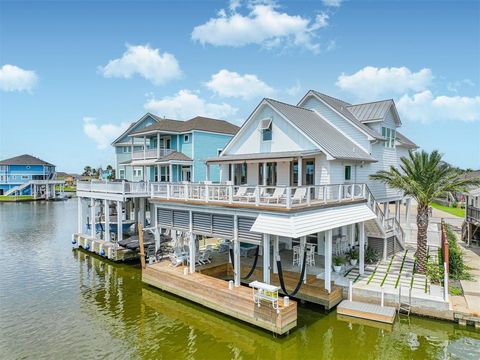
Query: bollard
x=382 y=298
x=350 y=290
x=185 y=271
x=230 y=285
x=286 y=301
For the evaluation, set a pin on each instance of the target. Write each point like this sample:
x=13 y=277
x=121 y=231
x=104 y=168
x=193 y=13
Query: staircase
x=382 y=227
x=18 y=188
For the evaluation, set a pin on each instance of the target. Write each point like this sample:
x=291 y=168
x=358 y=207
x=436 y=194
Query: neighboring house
x=161 y=150
x=471 y=226
x=17 y=173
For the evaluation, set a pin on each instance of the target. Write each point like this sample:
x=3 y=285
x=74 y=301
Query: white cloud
x=333 y=3
x=457 y=85
x=104 y=134
x=231 y=84
x=425 y=107
x=372 y=82
x=262 y=25
x=144 y=61
x=187 y=104
x=13 y=78
x=294 y=90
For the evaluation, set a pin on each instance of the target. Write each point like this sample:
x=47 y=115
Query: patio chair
x=311 y=256
x=241 y=192
x=299 y=195
x=277 y=195
x=204 y=257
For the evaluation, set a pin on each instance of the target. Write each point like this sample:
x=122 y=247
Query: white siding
x=322 y=170
x=283 y=173
x=285 y=137
x=337 y=120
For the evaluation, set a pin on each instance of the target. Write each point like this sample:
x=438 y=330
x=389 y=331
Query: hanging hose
x=300 y=281
x=250 y=273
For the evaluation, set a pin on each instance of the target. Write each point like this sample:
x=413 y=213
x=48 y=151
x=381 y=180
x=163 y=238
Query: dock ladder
x=404 y=307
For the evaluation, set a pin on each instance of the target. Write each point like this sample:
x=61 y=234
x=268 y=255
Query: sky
x=74 y=74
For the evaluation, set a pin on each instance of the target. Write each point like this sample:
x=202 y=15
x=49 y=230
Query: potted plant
x=337 y=263
x=352 y=256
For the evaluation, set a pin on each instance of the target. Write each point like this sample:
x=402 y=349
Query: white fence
x=151 y=153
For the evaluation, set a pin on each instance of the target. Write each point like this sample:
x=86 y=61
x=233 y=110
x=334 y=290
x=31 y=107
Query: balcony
x=473 y=213
x=151 y=153
x=114 y=187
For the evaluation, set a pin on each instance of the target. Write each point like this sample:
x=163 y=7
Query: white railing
x=114 y=187
x=270 y=196
x=151 y=153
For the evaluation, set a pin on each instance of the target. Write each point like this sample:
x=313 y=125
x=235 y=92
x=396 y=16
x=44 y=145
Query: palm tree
x=424 y=177
x=87 y=170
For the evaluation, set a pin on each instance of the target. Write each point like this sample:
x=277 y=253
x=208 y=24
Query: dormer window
x=389 y=135
x=265 y=127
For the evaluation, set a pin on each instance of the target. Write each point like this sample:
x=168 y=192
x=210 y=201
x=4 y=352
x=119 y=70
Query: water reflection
x=59 y=303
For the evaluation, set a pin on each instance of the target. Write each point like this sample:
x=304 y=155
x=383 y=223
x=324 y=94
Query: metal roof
x=373 y=111
x=342 y=107
x=403 y=140
x=320 y=131
x=24 y=160
x=311 y=222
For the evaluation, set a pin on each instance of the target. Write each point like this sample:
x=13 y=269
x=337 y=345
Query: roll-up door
x=244 y=233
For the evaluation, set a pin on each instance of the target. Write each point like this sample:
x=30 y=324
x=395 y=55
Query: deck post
x=236 y=252
x=397 y=210
x=92 y=217
x=386 y=209
x=300 y=171
x=264 y=173
x=141 y=211
x=328 y=260
x=119 y=221
x=352 y=235
x=361 y=255
x=158 y=145
x=266 y=258
x=303 y=245
x=79 y=215
x=170 y=173
x=193 y=250
x=107 y=221
x=275 y=253
x=407 y=209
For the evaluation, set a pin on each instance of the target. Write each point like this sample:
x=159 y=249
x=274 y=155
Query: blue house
x=18 y=174
x=161 y=150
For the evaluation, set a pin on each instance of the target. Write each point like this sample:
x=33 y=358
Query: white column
x=170 y=171
x=236 y=252
x=264 y=178
x=144 y=147
x=266 y=258
x=352 y=235
x=300 y=171
x=107 y=220
x=397 y=210
x=119 y=221
x=193 y=250
x=276 y=252
x=386 y=209
x=328 y=260
x=141 y=211
x=79 y=215
x=92 y=217
x=407 y=209
x=158 y=145
x=232 y=173
x=361 y=236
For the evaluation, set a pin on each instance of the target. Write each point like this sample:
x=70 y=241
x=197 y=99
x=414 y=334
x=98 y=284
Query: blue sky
x=73 y=74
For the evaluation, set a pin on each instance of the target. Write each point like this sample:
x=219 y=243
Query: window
x=348 y=172
x=24 y=177
x=164 y=174
x=271 y=174
x=240 y=173
x=28 y=166
x=309 y=172
x=122 y=174
x=266 y=127
x=390 y=135
x=186 y=138
x=138 y=172
x=126 y=149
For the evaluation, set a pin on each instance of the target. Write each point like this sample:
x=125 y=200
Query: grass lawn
x=68 y=188
x=16 y=198
x=453 y=211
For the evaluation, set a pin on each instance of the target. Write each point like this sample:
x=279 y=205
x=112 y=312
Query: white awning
x=306 y=223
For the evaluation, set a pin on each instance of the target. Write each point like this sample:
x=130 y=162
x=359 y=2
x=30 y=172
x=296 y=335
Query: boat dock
x=104 y=248
x=385 y=314
x=215 y=294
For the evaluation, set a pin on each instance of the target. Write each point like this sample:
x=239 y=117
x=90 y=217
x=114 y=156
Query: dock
x=384 y=314
x=215 y=294
x=104 y=248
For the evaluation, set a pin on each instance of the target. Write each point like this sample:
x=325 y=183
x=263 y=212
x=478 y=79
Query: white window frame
x=186 y=138
x=390 y=135
x=345 y=172
x=266 y=125
x=139 y=170
x=121 y=173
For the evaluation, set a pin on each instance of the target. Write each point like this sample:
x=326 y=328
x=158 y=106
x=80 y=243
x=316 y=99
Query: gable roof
x=403 y=140
x=24 y=160
x=132 y=125
x=326 y=136
x=196 y=123
x=374 y=111
x=342 y=107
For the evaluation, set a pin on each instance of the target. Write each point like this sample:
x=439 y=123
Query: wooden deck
x=214 y=293
x=313 y=291
x=385 y=314
x=96 y=246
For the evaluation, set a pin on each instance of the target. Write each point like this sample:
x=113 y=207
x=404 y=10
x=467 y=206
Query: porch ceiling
x=302 y=224
x=287 y=155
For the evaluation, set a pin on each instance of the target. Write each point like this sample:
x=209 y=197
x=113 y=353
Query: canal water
x=56 y=303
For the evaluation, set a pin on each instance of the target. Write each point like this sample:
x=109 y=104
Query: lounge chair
x=277 y=195
x=204 y=257
x=299 y=195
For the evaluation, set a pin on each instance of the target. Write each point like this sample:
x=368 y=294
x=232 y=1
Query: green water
x=56 y=303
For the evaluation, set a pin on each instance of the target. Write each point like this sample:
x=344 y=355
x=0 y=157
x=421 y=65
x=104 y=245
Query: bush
x=338 y=261
x=371 y=255
x=352 y=254
x=434 y=272
x=457 y=268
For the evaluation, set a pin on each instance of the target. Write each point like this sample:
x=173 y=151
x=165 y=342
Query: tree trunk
x=422 y=227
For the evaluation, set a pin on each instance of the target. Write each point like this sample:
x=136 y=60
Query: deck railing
x=151 y=153
x=473 y=213
x=114 y=187
x=267 y=196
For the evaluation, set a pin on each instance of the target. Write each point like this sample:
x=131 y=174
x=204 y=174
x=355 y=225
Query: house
x=157 y=149
x=25 y=174
x=471 y=226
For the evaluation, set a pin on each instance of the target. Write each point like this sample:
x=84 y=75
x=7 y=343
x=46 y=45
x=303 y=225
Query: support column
x=264 y=177
x=92 y=218
x=107 y=221
x=232 y=173
x=193 y=251
x=170 y=173
x=158 y=145
x=236 y=252
x=266 y=258
x=300 y=171
x=328 y=260
x=407 y=209
x=141 y=211
x=386 y=209
x=303 y=245
x=276 y=252
x=144 y=147
x=79 y=215
x=361 y=254
x=119 y=221
x=397 y=210
x=352 y=235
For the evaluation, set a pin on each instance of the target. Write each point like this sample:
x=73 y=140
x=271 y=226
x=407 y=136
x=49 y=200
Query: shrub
x=457 y=268
x=338 y=261
x=434 y=272
x=371 y=255
x=455 y=290
x=352 y=254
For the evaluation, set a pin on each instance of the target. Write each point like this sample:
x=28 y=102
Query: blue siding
x=206 y=146
x=146 y=122
x=14 y=175
x=186 y=147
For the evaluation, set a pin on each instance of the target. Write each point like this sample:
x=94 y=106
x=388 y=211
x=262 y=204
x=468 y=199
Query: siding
x=206 y=146
x=337 y=120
